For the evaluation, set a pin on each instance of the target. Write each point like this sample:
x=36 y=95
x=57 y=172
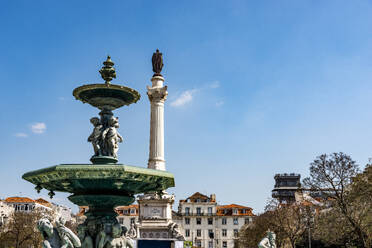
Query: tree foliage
x=288 y=221
x=251 y=234
x=21 y=231
x=343 y=220
x=335 y=176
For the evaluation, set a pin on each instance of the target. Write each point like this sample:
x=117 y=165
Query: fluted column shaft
x=157 y=95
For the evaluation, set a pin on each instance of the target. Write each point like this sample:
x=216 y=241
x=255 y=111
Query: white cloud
x=188 y=95
x=38 y=127
x=220 y=103
x=21 y=135
x=61 y=98
x=184 y=98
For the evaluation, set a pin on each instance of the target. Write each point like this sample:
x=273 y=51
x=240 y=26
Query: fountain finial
x=108 y=71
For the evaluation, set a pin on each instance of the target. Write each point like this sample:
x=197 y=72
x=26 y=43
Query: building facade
x=5 y=212
x=206 y=224
x=25 y=204
x=28 y=205
x=127 y=215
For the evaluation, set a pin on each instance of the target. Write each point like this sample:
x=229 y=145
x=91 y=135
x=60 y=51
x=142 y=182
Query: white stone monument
x=157 y=94
x=155 y=209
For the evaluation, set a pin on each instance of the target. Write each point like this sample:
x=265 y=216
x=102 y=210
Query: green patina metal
x=109 y=96
x=113 y=179
x=98 y=204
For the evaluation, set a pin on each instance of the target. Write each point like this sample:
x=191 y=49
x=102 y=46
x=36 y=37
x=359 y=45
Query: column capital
x=157 y=94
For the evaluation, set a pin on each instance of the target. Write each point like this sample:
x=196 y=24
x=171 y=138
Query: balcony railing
x=198 y=214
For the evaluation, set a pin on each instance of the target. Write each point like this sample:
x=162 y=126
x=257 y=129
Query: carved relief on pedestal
x=154 y=234
x=153 y=212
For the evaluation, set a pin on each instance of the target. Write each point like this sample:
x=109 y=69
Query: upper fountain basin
x=106 y=96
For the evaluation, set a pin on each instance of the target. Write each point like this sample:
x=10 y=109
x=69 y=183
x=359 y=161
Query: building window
x=210 y=221
x=224 y=232
x=224 y=244
x=224 y=221
x=187 y=221
x=235 y=211
x=198 y=232
x=187 y=232
x=210 y=210
x=132 y=220
x=246 y=221
x=133 y=211
x=121 y=221
x=187 y=211
x=125 y=211
x=198 y=243
x=236 y=222
x=198 y=211
x=210 y=244
x=210 y=234
x=236 y=233
x=198 y=221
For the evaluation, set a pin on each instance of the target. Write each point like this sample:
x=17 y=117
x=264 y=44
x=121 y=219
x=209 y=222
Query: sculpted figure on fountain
x=57 y=237
x=114 y=239
x=85 y=238
x=268 y=241
x=96 y=137
x=105 y=138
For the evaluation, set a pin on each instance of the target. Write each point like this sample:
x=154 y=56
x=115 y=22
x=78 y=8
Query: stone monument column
x=155 y=208
x=157 y=94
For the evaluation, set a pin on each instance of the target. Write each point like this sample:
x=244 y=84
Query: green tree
x=287 y=221
x=251 y=234
x=332 y=175
x=20 y=230
x=360 y=198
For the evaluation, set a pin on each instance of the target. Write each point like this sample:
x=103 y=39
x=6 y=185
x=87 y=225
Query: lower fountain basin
x=92 y=179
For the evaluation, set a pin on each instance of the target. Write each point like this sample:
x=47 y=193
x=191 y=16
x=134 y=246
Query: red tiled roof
x=120 y=210
x=43 y=202
x=197 y=195
x=227 y=210
x=126 y=207
x=82 y=210
x=232 y=206
x=17 y=199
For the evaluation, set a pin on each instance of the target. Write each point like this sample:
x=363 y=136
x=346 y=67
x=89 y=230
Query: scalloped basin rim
x=111 y=96
x=100 y=179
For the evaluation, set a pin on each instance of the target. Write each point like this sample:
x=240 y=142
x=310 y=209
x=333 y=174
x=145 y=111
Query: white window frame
x=224 y=221
x=236 y=221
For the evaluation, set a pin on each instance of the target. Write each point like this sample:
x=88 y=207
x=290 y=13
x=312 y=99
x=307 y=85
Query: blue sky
x=255 y=87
